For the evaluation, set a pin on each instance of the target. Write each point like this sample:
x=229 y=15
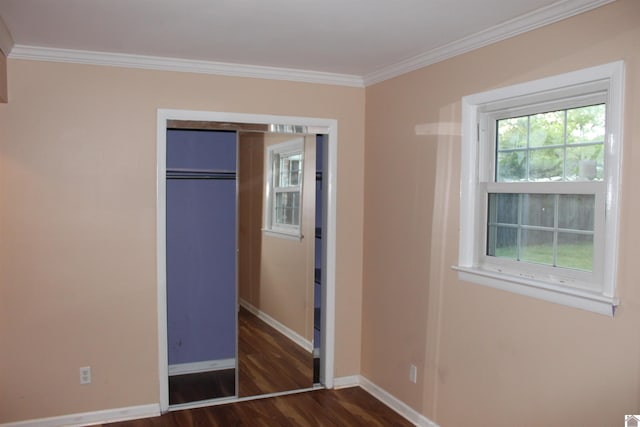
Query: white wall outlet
x=85 y=375
x=413 y=374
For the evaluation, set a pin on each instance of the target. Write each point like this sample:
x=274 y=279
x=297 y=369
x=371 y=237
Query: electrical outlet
x=413 y=374
x=85 y=375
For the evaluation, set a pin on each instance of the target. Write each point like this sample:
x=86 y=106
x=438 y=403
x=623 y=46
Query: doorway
x=267 y=124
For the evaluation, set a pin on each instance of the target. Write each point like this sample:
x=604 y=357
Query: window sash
x=525 y=139
x=295 y=219
x=570 y=277
x=487 y=120
x=488 y=117
x=286 y=175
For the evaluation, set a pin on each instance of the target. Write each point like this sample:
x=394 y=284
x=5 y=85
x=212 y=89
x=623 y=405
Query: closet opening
x=271 y=287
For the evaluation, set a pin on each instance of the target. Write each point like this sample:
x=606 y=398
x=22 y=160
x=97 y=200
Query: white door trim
x=319 y=125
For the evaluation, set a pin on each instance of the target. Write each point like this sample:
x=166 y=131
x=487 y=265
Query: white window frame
x=273 y=153
x=594 y=291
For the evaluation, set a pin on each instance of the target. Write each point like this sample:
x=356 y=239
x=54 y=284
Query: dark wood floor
x=269 y=362
x=319 y=408
x=202 y=386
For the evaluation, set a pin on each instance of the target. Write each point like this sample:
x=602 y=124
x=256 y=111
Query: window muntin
x=284 y=187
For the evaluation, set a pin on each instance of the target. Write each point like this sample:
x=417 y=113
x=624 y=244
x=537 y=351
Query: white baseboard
x=153 y=410
x=284 y=330
x=92 y=418
x=204 y=366
x=345 y=382
x=385 y=397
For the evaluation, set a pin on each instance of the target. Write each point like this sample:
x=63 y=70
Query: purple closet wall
x=201 y=248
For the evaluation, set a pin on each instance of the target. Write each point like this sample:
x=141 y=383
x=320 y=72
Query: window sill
x=576 y=298
x=282 y=234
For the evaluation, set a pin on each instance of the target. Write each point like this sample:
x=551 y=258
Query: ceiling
x=369 y=40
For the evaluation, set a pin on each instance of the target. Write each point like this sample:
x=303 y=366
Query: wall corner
x=4 y=83
x=6 y=45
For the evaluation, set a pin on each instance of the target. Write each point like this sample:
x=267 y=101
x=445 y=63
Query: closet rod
x=201 y=175
x=221 y=178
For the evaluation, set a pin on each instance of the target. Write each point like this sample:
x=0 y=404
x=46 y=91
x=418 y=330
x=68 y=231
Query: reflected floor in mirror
x=269 y=363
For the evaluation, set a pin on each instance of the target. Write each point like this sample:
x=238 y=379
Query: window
x=284 y=171
x=539 y=185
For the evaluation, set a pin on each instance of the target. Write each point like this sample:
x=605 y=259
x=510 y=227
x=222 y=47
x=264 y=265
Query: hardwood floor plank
x=202 y=386
x=269 y=361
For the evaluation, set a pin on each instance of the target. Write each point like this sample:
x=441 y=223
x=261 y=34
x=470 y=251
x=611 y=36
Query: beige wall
x=78 y=229
x=486 y=356
x=4 y=90
x=278 y=279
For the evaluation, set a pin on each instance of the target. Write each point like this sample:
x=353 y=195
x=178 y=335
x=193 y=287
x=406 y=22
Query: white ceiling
x=367 y=39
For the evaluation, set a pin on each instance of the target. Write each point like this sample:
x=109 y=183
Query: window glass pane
x=294 y=171
x=585 y=163
x=512 y=133
x=511 y=166
x=586 y=124
x=277 y=170
x=546 y=129
x=537 y=246
x=503 y=242
x=545 y=164
x=575 y=251
x=538 y=209
x=506 y=207
x=576 y=211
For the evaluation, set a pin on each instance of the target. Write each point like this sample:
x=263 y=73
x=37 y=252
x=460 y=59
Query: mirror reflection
x=244 y=255
x=276 y=259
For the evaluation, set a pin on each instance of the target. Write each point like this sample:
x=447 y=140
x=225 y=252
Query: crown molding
x=6 y=41
x=522 y=24
x=37 y=53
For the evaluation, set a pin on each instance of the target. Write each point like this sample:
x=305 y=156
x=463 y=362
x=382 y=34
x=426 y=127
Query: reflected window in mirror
x=284 y=171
